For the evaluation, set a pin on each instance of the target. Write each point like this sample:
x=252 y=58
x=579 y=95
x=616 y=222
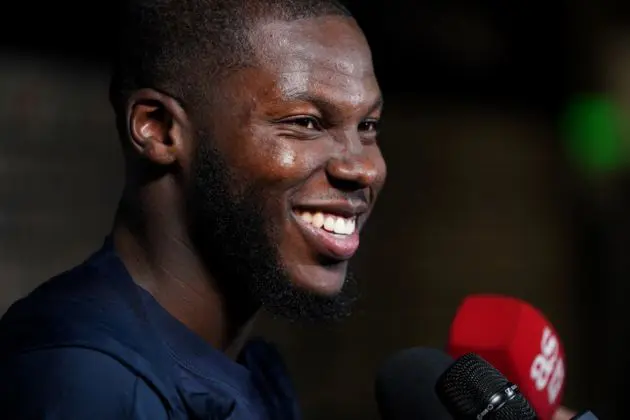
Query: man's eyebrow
x=324 y=103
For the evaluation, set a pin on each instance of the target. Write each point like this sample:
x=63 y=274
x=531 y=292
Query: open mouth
x=332 y=234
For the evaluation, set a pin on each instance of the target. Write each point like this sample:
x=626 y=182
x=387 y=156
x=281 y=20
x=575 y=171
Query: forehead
x=326 y=56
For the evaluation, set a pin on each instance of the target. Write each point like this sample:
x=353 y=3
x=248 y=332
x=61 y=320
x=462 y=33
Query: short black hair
x=174 y=45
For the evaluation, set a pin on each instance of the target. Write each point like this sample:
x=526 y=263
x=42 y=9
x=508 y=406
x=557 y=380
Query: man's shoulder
x=83 y=281
x=78 y=283
x=94 y=305
x=96 y=292
x=92 y=313
x=74 y=382
x=54 y=309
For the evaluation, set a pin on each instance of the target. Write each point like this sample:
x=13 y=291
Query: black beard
x=240 y=250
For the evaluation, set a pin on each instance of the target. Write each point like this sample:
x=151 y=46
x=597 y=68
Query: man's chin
x=304 y=317
x=325 y=279
x=310 y=302
x=328 y=288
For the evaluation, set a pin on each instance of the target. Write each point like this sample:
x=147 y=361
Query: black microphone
x=405 y=385
x=473 y=389
x=425 y=383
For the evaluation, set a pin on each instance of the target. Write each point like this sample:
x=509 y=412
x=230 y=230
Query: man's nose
x=352 y=172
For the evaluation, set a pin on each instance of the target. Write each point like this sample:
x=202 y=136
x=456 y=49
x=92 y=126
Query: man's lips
x=343 y=208
x=331 y=229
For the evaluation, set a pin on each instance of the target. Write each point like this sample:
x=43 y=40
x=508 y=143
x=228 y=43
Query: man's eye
x=370 y=126
x=309 y=123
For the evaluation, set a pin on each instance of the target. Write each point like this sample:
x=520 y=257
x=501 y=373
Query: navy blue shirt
x=90 y=344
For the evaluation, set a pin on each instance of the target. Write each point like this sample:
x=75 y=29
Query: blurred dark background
x=506 y=134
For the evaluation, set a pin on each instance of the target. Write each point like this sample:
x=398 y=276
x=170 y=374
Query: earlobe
x=153 y=120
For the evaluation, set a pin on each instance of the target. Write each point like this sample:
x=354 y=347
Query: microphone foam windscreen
x=471 y=385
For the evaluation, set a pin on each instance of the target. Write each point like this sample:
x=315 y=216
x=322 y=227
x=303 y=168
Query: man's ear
x=157 y=127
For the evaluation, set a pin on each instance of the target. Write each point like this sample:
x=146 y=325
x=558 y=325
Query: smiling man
x=249 y=130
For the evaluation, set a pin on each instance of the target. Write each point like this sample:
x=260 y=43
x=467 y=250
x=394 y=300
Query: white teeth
x=330 y=223
x=307 y=217
x=318 y=220
x=340 y=226
x=351 y=225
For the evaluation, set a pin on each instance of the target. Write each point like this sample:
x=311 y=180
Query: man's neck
x=241 y=338
x=163 y=262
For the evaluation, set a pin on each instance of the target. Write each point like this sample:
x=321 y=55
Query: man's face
x=288 y=168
